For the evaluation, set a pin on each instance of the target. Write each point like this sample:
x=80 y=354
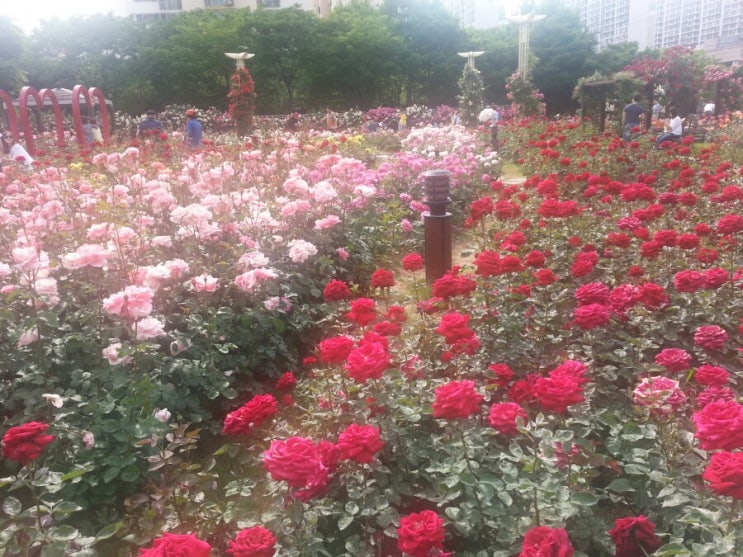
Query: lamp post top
x=471 y=55
x=239 y=57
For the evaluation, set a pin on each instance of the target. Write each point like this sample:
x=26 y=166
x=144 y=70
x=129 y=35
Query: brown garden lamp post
x=437 y=224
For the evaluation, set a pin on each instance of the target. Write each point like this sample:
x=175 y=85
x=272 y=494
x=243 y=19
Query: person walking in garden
x=331 y=119
x=149 y=126
x=632 y=117
x=494 y=121
x=194 y=129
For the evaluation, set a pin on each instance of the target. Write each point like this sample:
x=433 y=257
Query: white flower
x=54 y=400
x=163 y=415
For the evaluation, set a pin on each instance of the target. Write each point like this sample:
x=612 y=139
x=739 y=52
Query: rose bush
x=580 y=301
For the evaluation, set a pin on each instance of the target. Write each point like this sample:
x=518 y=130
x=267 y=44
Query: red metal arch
x=28 y=132
x=78 y=90
x=105 y=121
x=10 y=109
x=58 y=122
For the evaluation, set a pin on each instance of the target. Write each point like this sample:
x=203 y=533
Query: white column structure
x=524 y=21
x=471 y=57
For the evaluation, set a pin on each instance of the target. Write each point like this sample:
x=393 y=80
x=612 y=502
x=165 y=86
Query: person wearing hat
x=194 y=129
x=150 y=125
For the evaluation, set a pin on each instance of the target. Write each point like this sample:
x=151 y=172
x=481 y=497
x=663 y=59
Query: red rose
x=711 y=375
x=592 y=293
x=487 y=263
x=24 y=443
x=720 y=425
x=673 y=359
x=505 y=209
x=451 y=285
x=253 y=542
x=572 y=369
x=457 y=399
x=591 y=316
x=503 y=374
x=544 y=541
x=388 y=328
x=502 y=417
x=557 y=393
x=652 y=295
x=382 y=278
x=362 y=311
x=412 y=262
x=359 y=443
x=286 y=382
x=336 y=290
x=296 y=460
x=454 y=326
x=480 y=208
x=535 y=258
x=177 y=545
x=634 y=537
x=419 y=533
x=250 y=415
x=368 y=361
x=544 y=277
x=396 y=314
x=724 y=473
x=710 y=337
x=730 y=224
x=335 y=350
x=688 y=281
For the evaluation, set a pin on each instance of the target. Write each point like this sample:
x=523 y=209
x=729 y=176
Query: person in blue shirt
x=194 y=130
x=150 y=126
x=632 y=117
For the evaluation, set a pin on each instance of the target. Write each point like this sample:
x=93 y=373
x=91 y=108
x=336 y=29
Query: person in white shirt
x=674 y=128
x=708 y=111
x=16 y=152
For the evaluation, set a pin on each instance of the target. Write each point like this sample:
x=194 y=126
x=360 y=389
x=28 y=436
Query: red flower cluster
x=305 y=465
x=420 y=534
x=720 y=425
x=724 y=474
x=452 y=284
x=454 y=327
x=634 y=537
x=336 y=290
x=502 y=417
x=362 y=312
x=382 y=278
x=250 y=415
x=544 y=541
x=177 y=545
x=457 y=399
x=359 y=443
x=24 y=443
x=253 y=542
x=367 y=361
x=335 y=350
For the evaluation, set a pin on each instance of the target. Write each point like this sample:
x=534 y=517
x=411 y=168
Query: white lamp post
x=239 y=58
x=523 y=22
x=471 y=57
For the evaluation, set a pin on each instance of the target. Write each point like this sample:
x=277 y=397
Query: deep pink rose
x=253 y=542
x=543 y=541
x=359 y=443
x=382 y=278
x=674 y=359
x=420 y=533
x=177 y=545
x=592 y=293
x=457 y=399
x=24 y=443
x=367 y=361
x=710 y=337
x=634 y=537
x=724 y=474
x=720 y=425
x=503 y=416
x=336 y=290
x=591 y=316
x=711 y=376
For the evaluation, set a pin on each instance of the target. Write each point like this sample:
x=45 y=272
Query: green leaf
x=12 y=506
x=585 y=498
x=620 y=485
x=63 y=533
x=671 y=549
x=675 y=500
x=344 y=522
x=109 y=531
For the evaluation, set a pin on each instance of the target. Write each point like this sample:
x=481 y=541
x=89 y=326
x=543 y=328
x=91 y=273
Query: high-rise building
x=714 y=25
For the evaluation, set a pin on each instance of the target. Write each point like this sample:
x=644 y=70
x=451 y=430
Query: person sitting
x=674 y=128
x=17 y=152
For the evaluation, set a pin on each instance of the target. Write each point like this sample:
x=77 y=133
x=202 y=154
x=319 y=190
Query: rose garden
x=234 y=351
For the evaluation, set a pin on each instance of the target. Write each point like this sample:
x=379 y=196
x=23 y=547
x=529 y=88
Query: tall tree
x=432 y=37
x=562 y=50
x=357 y=58
x=283 y=41
x=12 y=76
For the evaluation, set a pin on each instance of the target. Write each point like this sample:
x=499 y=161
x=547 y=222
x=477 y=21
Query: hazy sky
x=27 y=13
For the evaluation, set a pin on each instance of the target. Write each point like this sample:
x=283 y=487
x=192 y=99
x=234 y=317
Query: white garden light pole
x=524 y=21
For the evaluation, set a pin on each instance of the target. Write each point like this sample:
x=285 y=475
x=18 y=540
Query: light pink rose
x=112 y=353
x=301 y=250
x=131 y=303
x=87 y=255
x=205 y=283
x=249 y=281
x=149 y=328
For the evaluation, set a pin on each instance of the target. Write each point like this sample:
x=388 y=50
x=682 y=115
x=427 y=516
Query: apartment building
x=714 y=25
